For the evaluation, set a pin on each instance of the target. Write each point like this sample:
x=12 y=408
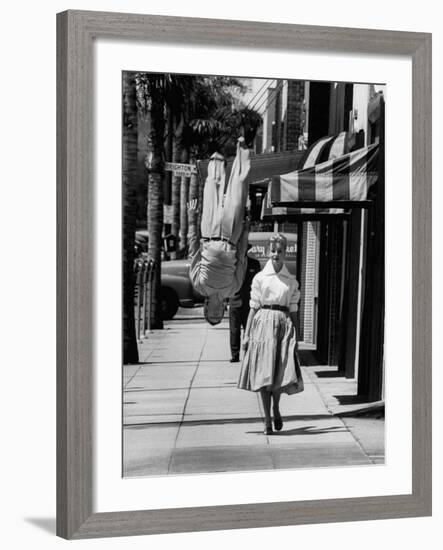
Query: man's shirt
x=217 y=267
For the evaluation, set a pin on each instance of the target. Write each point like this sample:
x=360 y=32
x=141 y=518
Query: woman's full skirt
x=270 y=360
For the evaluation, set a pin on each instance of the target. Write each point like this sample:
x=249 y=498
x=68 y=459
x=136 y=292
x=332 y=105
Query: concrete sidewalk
x=184 y=414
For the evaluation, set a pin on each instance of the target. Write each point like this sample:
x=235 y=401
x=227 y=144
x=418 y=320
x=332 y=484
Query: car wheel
x=169 y=303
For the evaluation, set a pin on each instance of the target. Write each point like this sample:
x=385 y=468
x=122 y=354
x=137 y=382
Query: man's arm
x=242 y=245
x=194 y=252
x=193 y=235
x=241 y=259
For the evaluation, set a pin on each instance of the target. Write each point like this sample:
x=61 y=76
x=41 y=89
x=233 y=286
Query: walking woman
x=270 y=365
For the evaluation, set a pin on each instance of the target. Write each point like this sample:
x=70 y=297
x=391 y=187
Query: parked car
x=141 y=241
x=176 y=289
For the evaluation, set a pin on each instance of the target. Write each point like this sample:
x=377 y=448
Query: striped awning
x=326 y=148
x=346 y=178
x=328 y=173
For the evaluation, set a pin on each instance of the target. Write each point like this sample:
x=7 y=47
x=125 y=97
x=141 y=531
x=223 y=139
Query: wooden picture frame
x=76 y=32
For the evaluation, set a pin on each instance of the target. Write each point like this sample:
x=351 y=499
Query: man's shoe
x=234 y=359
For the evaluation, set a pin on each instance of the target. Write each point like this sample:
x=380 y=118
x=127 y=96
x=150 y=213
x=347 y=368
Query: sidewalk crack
x=181 y=421
x=132 y=378
x=268 y=442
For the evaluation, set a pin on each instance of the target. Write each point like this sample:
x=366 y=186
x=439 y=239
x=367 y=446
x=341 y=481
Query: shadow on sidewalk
x=143 y=389
x=308 y=358
x=168 y=362
x=226 y=421
x=305 y=430
x=329 y=374
x=351 y=399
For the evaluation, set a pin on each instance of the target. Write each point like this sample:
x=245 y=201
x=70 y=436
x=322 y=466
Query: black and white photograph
x=220 y=217
x=253 y=274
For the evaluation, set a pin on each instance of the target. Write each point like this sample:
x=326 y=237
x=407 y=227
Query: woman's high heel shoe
x=268 y=429
x=278 y=422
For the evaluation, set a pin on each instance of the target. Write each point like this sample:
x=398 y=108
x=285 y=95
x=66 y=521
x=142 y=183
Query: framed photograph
x=244 y=274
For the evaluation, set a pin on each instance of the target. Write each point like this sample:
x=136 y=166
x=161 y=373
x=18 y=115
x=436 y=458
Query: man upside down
x=218 y=259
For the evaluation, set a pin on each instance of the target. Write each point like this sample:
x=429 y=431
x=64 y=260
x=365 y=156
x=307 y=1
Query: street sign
x=180 y=169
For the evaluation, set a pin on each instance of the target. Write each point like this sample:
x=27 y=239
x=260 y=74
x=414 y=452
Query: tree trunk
x=130 y=351
x=155 y=194
x=193 y=194
x=176 y=180
x=184 y=198
x=142 y=152
x=167 y=178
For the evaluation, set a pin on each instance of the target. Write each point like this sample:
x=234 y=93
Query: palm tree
x=178 y=91
x=244 y=121
x=130 y=351
x=196 y=110
x=176 y=180
x=184 y=198
x=151 y=101
x=199 y=132
x=155 y=166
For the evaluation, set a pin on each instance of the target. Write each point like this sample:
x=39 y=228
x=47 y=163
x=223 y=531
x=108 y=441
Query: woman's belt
x=276 y=307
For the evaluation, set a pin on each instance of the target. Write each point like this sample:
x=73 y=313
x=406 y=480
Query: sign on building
x=179 y=169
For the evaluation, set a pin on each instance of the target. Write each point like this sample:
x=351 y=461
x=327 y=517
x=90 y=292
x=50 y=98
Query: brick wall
x=294 y=113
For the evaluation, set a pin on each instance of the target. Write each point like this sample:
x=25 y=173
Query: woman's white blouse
x=269 y=287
